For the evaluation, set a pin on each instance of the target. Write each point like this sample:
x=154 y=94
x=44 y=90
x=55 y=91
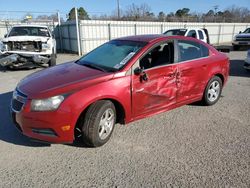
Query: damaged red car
x=121 y=81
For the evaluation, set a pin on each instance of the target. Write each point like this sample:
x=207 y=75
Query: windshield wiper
x=95 y=67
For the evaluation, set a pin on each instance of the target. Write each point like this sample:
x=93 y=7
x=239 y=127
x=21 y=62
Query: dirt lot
x=192 y=146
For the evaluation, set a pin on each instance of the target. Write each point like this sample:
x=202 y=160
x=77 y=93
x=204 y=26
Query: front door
x=155 y=88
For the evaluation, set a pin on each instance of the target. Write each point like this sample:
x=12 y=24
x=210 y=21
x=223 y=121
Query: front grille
x=31 y=46
x=17 y=105
x=18 y=101
x=243 y=39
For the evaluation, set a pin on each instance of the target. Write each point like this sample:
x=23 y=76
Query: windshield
x=29 y=31
x=175 y=32
x=247 y=30
x=111 y=56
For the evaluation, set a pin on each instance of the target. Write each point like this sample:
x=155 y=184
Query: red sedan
x=123 y=80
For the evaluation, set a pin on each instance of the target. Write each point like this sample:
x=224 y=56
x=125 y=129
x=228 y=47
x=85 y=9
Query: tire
x=95 y=133
x=236 y=47
x=212 y=92
x=52 y=61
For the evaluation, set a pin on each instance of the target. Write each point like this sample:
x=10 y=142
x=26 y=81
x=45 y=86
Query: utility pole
x=215 y=12
x=118 y=9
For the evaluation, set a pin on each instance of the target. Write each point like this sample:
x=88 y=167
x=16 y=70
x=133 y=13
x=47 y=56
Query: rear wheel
x=213 y=91
x=236 y=47
x=98 y=124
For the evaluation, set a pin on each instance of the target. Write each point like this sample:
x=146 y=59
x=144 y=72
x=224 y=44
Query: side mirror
x=5 y=35
x=240 y=32
x=138 y=71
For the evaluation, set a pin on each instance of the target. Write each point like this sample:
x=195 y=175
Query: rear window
x=173 y=32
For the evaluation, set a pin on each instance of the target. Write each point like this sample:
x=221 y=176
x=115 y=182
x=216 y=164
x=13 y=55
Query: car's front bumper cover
x=12 y=59
x=44 y=126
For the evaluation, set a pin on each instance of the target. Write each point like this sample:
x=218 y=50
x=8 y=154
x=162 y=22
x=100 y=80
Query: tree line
x=143 y=12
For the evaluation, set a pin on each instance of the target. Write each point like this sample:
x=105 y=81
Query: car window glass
x=247 y=30
x=112 y=55
x=160 y=55
x=201 y=36
x=172 y=32
x=189 y=50
x=192 y=33
x=29 y=31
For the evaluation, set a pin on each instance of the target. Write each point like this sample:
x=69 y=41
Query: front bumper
x=241 y=43
x=44 y=126
x=17 y=60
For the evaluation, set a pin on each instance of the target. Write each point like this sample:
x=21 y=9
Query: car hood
x=25 y=38
x=243 y=35
x=61 y=79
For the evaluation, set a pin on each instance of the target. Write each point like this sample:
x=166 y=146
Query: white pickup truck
x=28 y=46
x=201 y=34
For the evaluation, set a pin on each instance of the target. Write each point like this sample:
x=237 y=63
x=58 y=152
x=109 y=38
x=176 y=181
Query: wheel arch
x=221 y=77
x=120 y=111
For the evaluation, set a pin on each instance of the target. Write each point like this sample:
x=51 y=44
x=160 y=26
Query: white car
x=241 y=39
x=201 y=34
x=28 y=46
x=247 y=61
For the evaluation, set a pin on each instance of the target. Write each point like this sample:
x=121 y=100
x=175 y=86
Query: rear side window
x=201 y=36
x=189 y=50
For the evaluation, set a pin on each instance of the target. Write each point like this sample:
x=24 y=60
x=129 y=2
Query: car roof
x=142 y=38
x=42 y=26
x=156 y=37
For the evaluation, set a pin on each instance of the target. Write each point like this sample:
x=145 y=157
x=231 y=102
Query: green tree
x=161 y=16
x=82 y=14
x=182 y=12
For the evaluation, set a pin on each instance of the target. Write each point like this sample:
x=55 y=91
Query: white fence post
x=109 y=31
x=77 y=33
x=59 y=30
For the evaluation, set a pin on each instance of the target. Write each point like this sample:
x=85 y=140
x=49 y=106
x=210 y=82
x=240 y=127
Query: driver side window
x=158 y=56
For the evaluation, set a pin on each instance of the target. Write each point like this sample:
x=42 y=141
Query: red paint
x=167 y=87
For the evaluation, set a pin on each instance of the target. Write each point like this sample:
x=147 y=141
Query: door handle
x=144 y=77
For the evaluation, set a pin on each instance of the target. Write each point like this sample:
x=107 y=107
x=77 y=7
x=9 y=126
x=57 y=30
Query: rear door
x=192 y=69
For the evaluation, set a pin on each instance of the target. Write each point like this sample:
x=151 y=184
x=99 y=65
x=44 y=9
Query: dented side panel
x=158 y=92
x=192 y=78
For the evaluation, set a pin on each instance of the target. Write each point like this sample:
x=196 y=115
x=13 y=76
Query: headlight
x=3 y=46
x=48 y=104
x=234 y=39
x=45 y=46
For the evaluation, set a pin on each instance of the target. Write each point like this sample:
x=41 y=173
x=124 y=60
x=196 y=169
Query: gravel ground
x=192 y=146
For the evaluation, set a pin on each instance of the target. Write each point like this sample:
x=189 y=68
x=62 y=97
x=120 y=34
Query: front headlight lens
x=48 y=104
x=3 y=47
x=45 y=46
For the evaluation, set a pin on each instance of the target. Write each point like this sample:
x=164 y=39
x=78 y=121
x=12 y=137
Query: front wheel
x=212 y=92
x=99 y=122
x=52 y=61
